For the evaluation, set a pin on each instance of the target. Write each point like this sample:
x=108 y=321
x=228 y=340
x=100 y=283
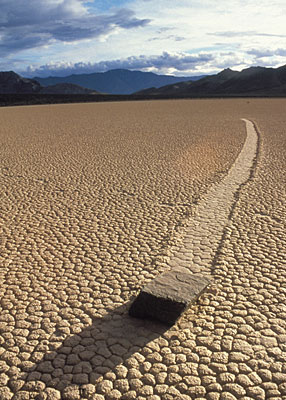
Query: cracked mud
x=95 y=202
x=204 y=230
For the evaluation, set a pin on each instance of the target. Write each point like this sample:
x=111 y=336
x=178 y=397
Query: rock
x=46 y=367
x=80 y=379
x=256 y=392
x=5 y=393
x=118 y=350
x=279 y=377
x=49 y=394
x=227 y=396
x=104 y=387
x=71 y=393
x=121 y=371
x=166 y=297
x=122 y=385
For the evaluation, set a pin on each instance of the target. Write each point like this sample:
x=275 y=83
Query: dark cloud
x=159 y=63
x=30 y=24
x=232 y=34
x=267 y=53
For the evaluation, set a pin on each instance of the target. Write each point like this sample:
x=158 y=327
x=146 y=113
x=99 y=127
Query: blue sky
x=189 y=37
x=107 y=5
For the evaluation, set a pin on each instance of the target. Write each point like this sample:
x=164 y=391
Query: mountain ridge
x=116 y=81
x=12 y=83
x=253 y=80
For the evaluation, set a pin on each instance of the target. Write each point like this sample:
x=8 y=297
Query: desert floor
x=96 y=199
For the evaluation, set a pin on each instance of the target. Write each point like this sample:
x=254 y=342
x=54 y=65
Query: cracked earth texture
x=210 y=217
x=95 y=200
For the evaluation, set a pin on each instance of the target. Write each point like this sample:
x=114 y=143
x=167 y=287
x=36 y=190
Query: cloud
x=265 y=53
x=30 y=24
x=157 y=63
x=170 y=37
x=231 y=34
x=78 y=34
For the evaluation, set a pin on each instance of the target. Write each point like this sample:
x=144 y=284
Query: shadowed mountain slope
x=12 y=83
x=67 y=88
x=117 y=81
x=250 y=81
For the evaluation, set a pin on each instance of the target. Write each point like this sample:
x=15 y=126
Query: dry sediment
x=205 y=228
x=85 y=221
x=174 y=290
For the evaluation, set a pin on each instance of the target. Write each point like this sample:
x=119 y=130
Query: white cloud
x=242 y=34
x=179 y=64
x=245 y=28
x=163 y=63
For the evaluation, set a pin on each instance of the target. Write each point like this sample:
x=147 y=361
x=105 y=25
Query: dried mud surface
x=94 y=202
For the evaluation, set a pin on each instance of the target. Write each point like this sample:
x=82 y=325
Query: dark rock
x=10 y=82
x=166 y=297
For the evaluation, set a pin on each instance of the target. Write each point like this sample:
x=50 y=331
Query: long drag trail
x=205 y=229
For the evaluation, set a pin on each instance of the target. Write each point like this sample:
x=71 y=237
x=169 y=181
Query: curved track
x=204 y=230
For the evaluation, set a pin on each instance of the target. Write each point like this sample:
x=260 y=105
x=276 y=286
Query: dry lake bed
x=96 y=200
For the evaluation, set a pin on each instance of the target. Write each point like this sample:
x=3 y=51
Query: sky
x=183 y=38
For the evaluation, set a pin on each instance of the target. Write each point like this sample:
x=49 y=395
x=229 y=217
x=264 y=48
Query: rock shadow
x=88 y=355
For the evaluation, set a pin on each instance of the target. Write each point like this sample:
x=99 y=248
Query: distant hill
x=117 y=81
x=254 y=81
x=12 y=83
x=258 y=81
x=66 y=88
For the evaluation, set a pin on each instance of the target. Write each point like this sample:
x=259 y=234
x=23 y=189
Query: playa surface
x=96 y=199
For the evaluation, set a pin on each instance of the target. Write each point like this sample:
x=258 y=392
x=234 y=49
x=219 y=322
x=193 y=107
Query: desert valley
x=96 y=201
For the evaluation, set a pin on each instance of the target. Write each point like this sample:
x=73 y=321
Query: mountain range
x=117 y=81
x=12 y=83
x=253 y=81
